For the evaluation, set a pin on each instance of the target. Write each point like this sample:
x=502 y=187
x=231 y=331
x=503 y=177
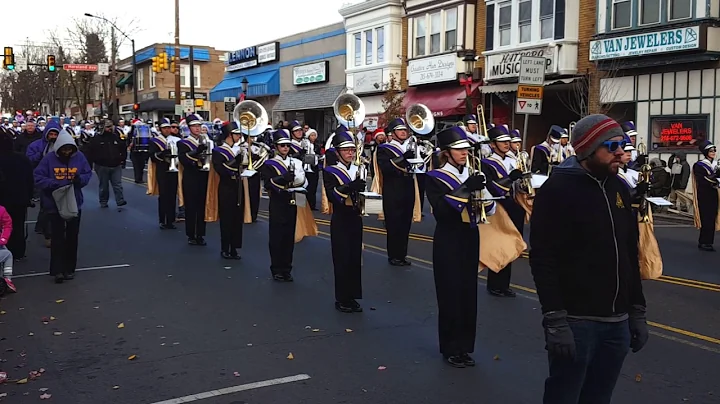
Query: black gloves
x=638 y=328
x=515 y=174
x=475 y=183
x=357 y=185
x=234 y=163
x=408 y=155
x=165 y=153
x=201 y=148
x=642 y=188
x=289 y=177
x=554 y=163
x=76 y=180
x=559 y=339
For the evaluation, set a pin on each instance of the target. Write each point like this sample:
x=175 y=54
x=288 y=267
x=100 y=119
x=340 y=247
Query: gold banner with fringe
x=305 y=225
x=651 y=265
x=696 y=210
x=500 y=241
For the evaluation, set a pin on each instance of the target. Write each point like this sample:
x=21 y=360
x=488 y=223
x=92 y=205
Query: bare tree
x=392 y=102
x=29 y=88
x=577 y=99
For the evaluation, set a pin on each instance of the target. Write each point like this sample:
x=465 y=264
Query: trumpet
x=644 y=177
x=421 y=121
x=174 y=160
x=206 y=156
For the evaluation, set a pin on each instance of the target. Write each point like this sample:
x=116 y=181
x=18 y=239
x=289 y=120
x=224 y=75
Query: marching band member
x=475 y=138
x=330 y=155
x=629 y=128
x=254 y=146
x=314 y=173
x=566 y=149
x=542 y=156
x=282 y=175
x=162 y=181
x=297 y=136
x=515 y=143
x=628 y=176
x=194 y=180
x=230 y=194
x=346 y=227
x=501 y=173
x=456 y=246
x=398 y=190
x=706 y=195
x=139 y=145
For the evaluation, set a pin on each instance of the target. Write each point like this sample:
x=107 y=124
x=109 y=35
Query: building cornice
x=366 y=6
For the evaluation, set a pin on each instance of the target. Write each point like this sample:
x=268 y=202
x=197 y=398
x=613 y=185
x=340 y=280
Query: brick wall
x=480 y=33
x=404 y=53
x=586 y=30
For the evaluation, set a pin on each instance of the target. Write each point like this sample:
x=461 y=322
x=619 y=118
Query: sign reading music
x=671 y=40
x=507 y=65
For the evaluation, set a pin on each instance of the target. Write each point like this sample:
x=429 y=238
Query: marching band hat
x=453 y=137
x=471 y=119
x=231 y=128
x=281 y=136
x=396 y=124
x=628 y=146
x=515 y=136
x=705 y=147
x=164 y=123
x=629 y=128
x=343 y=139
x=41 y=119
x=499 y=133
x=565 y=134
x=193 y=119
x=295 y=125
x=555 y=133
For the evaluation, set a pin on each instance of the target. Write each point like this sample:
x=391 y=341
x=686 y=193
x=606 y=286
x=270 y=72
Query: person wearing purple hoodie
x=63 y=166
x=35 y=152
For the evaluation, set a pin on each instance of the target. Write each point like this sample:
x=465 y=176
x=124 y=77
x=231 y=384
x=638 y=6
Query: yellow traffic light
x=164 y=61
x=156 y=64
x=173 y=65
x=51 y=63
x=9 y=58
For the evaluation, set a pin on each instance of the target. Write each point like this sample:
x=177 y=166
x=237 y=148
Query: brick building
x=156 y=91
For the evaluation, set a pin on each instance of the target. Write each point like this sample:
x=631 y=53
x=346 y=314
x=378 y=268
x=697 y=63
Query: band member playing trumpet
x=231 y=203
x=566 y=149
x=515 y=143
x=192 y=151
x=706 y=195
x=542 y=155
x=165 y=180
x=456 y=246
x=398 y=190
x=501 y=173
x=282 y=175
x=342 y=185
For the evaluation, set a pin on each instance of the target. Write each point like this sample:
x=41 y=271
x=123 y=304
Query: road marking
x=30 y=221
x=684 y=341
x=30 y=275
x=714 y=285
x=235 y=389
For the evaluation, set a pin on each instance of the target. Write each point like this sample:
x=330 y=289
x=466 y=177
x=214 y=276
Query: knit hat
x=591 y=131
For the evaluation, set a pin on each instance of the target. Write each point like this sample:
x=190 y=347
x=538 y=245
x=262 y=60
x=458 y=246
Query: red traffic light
x=136 y=107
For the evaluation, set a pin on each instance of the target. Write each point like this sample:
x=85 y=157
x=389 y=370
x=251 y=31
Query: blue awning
x=260 y=84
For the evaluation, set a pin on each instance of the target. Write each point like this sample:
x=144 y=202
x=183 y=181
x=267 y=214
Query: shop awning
x=127 y=80
x=312 y=98
x=512 y=87
x=259 y=85
x=157 y=105
x=445 y=101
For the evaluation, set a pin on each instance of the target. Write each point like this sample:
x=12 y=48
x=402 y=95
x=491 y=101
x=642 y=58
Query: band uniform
x=166 y=185
x=195 y=181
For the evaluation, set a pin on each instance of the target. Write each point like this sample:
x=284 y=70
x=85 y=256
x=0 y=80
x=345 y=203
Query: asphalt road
x=194 y=324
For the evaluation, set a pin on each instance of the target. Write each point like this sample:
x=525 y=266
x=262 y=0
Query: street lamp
x=134 y=61
x=466 y=78
x=245 y=84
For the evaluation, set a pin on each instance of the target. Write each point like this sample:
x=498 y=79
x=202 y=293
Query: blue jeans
x=112 y=175
x=590 y=378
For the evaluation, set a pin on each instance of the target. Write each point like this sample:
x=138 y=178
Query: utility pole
x=192 y=74
x=177 y=52
x=111 y=88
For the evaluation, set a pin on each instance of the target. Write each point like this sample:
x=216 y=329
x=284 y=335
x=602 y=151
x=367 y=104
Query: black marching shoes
x=706 y=247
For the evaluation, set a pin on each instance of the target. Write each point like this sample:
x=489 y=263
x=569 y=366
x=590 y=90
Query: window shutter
x=489 y=26
x=559 y=19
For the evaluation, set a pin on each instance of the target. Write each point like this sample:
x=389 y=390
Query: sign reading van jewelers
x=311 y=73
x=432 y=69
x=672 y=40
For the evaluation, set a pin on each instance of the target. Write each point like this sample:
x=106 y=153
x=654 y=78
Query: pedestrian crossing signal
x=156 y=64
x=9 y=58
x=51 y=63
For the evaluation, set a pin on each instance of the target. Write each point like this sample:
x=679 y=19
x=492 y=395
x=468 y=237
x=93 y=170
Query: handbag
x=66 y=203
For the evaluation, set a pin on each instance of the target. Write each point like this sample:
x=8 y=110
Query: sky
x=224 y=24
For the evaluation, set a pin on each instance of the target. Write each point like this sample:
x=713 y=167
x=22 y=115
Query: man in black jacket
x=16 y=190
x=586 y=267
x=107 y=152
x=29 y=135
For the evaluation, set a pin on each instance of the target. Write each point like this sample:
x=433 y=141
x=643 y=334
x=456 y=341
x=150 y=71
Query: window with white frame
x=547 y=19
x=436 y=32
x=525 y=20
x=505 y=23
x=368 y=47
x=679 y=9
x=380 y=43
x=153 y=78
x=621 y=14
x=357 y=39
x=140 y=79
x=185 y=75
x=649 y=12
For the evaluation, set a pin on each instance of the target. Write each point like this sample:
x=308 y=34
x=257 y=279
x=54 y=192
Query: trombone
x=474 y=167
x=644 y=177
x=421 y=121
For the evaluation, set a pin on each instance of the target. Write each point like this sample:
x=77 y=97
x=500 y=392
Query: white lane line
x=30 y=275
x=235 y=389
x=30 y=221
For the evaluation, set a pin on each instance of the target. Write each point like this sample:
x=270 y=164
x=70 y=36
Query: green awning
x=127 y=80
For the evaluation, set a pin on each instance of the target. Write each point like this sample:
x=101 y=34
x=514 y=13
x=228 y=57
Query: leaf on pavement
x=496 y=357
x=348 y=330
x=236 y=374
x=132 y=357
x=58 y=301
x=121 y=325
x=22 y=381
x=31 y=334
x=291 y=356
x=382 y=367
x=116 y=387
x=52 y=318
x=2 y=312
x=42 y=390
x=45 y=396
x=57 y=333
x=316 y=330
x=638 y=378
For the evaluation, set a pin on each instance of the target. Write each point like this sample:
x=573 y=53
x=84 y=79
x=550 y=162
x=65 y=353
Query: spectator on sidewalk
x=108 y=153
x=660 y=179
x=6 y=257
x=16 y=190
x=680 y=175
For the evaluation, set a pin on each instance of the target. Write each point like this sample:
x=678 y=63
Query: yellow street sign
x=530 y=92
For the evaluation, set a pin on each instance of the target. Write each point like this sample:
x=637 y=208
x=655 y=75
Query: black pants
x=168 y=185
x=311 y=195
x=346 y=231
x=64 y=247
x=501 y=280
x=42 y=224
x=16 y=244
x=194 y=192
x=421 y=189
x=231 y=211
x=254 y=190
x=283 y=218
x=397 y=224
x=138 y=160
x=708 y=206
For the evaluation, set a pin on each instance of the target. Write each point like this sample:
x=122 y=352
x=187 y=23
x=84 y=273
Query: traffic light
x=136 y=107
x=51 y=63
x=9 y=58
x=173 y=65
x=164 y=61
x=156 y=64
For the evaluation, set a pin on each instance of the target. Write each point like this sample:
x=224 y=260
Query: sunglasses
x=613 y=145
x=284 y=145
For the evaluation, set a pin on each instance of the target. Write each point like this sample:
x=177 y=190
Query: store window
x=380 y=39
x=621 y=14
x=505 y=23
x=368 y=47
x=436 y=32
x=185 y=76
x=547 y=19
x=358 y=49
x=680 y=9
x=140 y=79
x=153 y=78
x=678 y=131
x=649 y=12
x=523 y=22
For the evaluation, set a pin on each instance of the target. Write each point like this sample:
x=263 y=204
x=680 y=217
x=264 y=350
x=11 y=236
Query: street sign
x=103 y=69
x=229 y=106
x=188 y=106
x=528 y=106
x=530 y=92
x=230 y=99
x=532 y=70
x=179 y=110
x=21 y=64
x=80 y=68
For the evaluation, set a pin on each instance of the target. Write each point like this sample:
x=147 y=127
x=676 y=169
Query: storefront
x=667 y=80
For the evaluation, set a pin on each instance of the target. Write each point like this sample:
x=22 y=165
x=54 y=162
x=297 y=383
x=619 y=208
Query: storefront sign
x=148 y=96
x=678 y=131
x=252 y=56
x=311 y=73
x=432 y=70
x=369 y=81
x=186 y=94
x=672 y=40
x=507 y=65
